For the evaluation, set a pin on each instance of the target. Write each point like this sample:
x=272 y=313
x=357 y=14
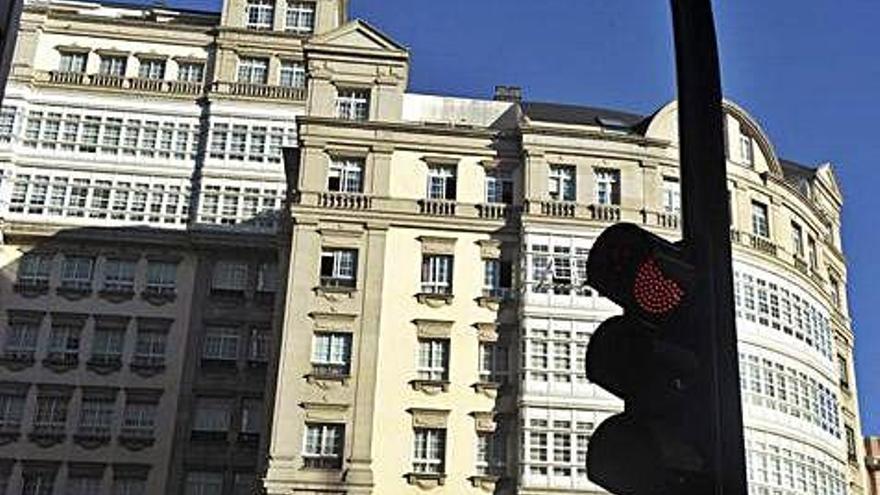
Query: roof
x=797 y=175
x=580 y=115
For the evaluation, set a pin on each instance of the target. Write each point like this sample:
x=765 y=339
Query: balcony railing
x=437 y=207
x=123 y=83
x=494 y=211
x=345 y=201
x=764 y=245
x=563 y=209
x=605 y=213
x=260 y=91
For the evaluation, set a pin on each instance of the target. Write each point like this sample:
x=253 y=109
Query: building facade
x=872 y=462
x=416 y=320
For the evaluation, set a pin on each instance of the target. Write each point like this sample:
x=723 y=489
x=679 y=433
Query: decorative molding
x=487 y=483
x=334 y=294
x=430 y=387
x=433 y=329
x=325 y=411
x=72 y=49
x=426 y=481
x=441 y=160
x=484 y=421
x=434 y=300
x=428 y=418
x=489 y=389
x=151 y=56
x=333 y=322
x=490 y=249
x=487 y=331
x=109 y=52
x=437 y=245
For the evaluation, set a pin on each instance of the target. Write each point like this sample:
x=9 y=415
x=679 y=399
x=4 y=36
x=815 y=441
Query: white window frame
x=348 y=174
x=73 y=62
x=292 y=74
x=34 y=269
x=300 y=17
x=259 y=14
x=760 y=219
x=253 y=70
x=429 y=450
x=562 y=182
x=113 y=65
x=139 y=419
x=191 y=72
x=151 y=68
x=96 y=416
x=499 y=188
x=671 y=195
x=433 y=360
x=161 y=277
x=323 y=445
x=150 y=348
x=211 y=414
x=442 y=182
x=353 y=103
x=77 y=271
x=221 y=343
x=437 y=274
x=119 y=274
x=338 y=267
x=607 y=186
x=493 y=362
x=331 y=353
x=107 y=343
x=229 y=275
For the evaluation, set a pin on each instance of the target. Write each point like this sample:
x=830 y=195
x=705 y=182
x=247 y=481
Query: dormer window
x=353 y=104
x=73 y=62
x=300 y=17
x=253 y=70
x=260 y=14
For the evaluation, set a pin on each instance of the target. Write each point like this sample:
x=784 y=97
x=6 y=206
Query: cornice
x=527 y=129
x=416 y=128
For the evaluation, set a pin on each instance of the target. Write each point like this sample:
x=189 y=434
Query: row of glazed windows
x=79 y=273
x=776 y=467
x=299 y=17
x=44 y=478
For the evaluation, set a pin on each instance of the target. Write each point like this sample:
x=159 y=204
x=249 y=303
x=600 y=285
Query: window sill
x=104 y=365
x=209 y=436
x=324 y=378
x=430 y=387
x=9 y=436
x=31 y=290
x=486 y=482
x=489 y=389
x=248 y=438
x=434 y=300
x=159 y=297
x=426 y=480
x=17 y=361
x=219 y=364
x=334 y=293
x=146 y=370
x=48 y=437
x=116 y=295
x=74 y=293
x=135 y=442
x=92 y=440
x=60 y=364
x=493 y=302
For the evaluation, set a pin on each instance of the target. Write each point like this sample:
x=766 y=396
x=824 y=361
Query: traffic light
x=647 y=358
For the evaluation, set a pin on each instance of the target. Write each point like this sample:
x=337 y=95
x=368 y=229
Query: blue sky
x=808 y=70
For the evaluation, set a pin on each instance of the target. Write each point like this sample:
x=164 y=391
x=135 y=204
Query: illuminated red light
x=653 y=291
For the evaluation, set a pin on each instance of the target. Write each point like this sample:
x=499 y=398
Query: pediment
x=358 y=35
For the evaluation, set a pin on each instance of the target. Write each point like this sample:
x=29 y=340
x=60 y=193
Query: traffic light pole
x=705 y=207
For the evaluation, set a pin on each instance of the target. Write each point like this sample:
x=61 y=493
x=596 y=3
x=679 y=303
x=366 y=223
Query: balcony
x=105 y=81
x=262 y=91
x=763 y=245
x=437 y=207
x=605 y=213
x=561 y=209
x=345 y=201
x=322 y=462
x=494 y=211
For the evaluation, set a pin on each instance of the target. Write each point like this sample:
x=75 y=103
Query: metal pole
x=707 y=237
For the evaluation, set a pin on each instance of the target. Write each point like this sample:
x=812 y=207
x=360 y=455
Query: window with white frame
x=221 y=343
x=346 y=175
x=441 y=182
x=747 y=150
x=292 y=74
x=204 y=483
x=493 y=365
x=149 y=348
x=300 y=17
x=7 y=123
x=161 y=277
x=812 y=253
x=433 y=360
x=267 y=277
x=760 y=220
x=96 y=416
x=229 y=275
x=491 y=453
x=562 y=272
x=437 y=274
x=254 y=143
x=112 y=65
x=139 y=419
x=561 y=185
x=836 y=292
x=776 y=466
x=20 y=339
x=11 y=412
x=259 y=14
x=429 y=451
x=107 y=344
x=151 y=68
x=499 y=188
x=33 y=270
x=76 y=272
x=843 y=371
x=323 y=445
x=555 y=353
x=671 y=196
x=258 y=345
x=555 y=449
x=253 y=70
x=51 y=413
x=353 y=104
x=118 y=275
x=211 y=414
x=191 y=72
x=797 y=240
x=73 y=62
x=607 y=186
x=64 y=341
x=129 y=485
x=497 y=278
x=338 y=267
x=331 y=354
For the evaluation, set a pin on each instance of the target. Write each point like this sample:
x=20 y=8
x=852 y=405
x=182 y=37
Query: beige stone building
x=872 y=462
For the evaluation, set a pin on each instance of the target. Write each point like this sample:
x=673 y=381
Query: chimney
x=508 y=93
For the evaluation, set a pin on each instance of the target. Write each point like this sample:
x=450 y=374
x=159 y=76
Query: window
x=260 y=14
x=496 y=278
x=73 y=62
x=346 y=175
x=851 y=453
x=211 y=415
x=107 y=345
x=267 y=277
x=95 y=417
x=797 y=240
x=429 y=451
x=437 y=274
x=338 y=268
x=243 y=484
x=322 y=445
x=671 y=196
x=836 y=295
x=37 y=482
x=760 y=220
x=51 y=414
x=441 y=182
x=433 y=360
x=21 y=339
x=252 y=416
x=204 y=483
x=331 y=354
x=607 y=186
x=128 y=485
x=300 y=17
x=83 y=484
x=11 y=412
x=76 y=272
x=161 y=277
x=353 y=104
x=221 y=343
x=499 y=188
x=258 y=346
x=33 y=270
x=229 y=276
x=253 y=70
x=191 y=72
x=562 y=183
x=64 y=342
x=747 y=150
x=292 y=75
x=812 y=253
x=843 y=371
x=119 y=275
x=7 y=123
x=491 y=453
x=151 y=68
x=112 y=66
x=149 y=348
x=493 y=364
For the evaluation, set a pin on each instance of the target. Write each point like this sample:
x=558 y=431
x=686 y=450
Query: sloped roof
x=579 y=115
x=796 y=174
